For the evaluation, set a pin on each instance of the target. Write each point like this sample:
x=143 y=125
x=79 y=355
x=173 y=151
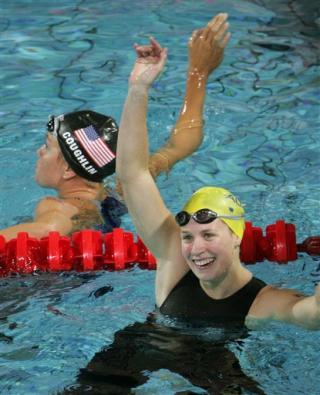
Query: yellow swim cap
x=221 y=201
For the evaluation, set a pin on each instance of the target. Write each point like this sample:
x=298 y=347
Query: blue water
x=261 y=141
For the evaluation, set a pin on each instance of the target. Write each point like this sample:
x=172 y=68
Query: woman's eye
x=186 y=238
x=209 y=236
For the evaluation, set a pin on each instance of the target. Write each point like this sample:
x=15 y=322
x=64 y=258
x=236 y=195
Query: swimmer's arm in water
x=51 y=215
x=206 y=48
x=288 y=306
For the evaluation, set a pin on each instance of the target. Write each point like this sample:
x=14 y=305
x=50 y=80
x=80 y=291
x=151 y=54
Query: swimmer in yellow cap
x=199 y=272
x=209 y=203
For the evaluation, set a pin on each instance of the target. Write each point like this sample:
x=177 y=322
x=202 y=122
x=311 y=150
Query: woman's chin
x=205 y=272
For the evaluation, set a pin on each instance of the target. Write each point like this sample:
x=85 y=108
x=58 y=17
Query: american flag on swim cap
x=95 y=147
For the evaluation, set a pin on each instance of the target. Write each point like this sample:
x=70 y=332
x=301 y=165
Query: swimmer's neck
x=237 y=277
x=84 y=191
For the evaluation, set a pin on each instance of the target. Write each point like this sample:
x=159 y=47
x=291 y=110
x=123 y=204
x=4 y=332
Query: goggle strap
x=235 y=217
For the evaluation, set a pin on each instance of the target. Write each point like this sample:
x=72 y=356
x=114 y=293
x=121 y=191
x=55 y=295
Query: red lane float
x=92 y=250
x=278 y=245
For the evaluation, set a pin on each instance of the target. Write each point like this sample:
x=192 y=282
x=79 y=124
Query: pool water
x=261 y=141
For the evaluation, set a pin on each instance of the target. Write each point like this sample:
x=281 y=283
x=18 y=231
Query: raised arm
x=206 y=48
x=153 y=222
x=141 y=195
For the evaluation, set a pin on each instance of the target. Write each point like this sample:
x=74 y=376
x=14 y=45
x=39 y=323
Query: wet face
x=50 y=164
x=209 y=249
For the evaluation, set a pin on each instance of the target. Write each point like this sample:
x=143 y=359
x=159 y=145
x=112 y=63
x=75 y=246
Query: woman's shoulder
x=272 y=302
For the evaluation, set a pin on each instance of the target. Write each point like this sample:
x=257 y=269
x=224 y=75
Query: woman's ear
x=68 y=173
x=236 y=241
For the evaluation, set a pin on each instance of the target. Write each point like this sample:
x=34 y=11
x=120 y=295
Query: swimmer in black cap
x=88 y=142
x=80 y=152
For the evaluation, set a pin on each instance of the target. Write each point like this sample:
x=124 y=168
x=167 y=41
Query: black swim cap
x=88 y=141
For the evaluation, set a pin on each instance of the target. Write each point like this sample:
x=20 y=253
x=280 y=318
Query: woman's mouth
x=203 y=262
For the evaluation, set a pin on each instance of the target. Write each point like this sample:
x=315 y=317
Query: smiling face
x=209 y=249
x=50 y=165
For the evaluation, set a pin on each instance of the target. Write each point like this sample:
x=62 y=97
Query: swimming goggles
x=53 y=125
x=202 y=216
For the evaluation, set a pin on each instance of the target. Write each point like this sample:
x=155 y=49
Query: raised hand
x=149 y=64
x=206 y=46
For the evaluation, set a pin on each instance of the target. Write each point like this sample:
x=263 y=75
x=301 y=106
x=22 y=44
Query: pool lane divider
x=89 y=250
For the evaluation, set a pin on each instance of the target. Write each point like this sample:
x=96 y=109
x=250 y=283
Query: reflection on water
x=143 y=348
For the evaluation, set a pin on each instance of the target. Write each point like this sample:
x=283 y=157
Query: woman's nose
x=40 y=150
x=198 y=246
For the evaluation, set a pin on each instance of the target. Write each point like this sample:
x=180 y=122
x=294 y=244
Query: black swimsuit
x=112 y=209
x=201 y=357
x=188 y=300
